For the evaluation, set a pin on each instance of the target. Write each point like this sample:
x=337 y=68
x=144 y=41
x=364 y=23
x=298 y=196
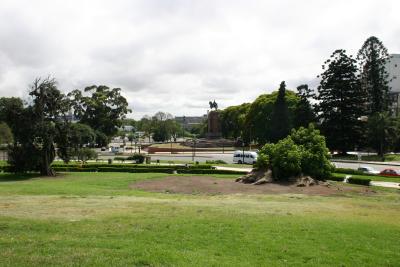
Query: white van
x=248 y=157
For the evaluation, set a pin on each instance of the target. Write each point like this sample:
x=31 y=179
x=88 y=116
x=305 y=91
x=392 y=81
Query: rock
x=261 y=181
x=255 y=175
x=306 y=181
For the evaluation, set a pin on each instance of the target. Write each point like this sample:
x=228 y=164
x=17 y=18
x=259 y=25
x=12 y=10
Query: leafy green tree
x=6 y=136
x=76 y=137
x=304 y=113
x=146 y=124
x=280 y=124
x=233 y=121
x=315 y=155
x=285 y=159
x=103 y=109
x=303 y=152
x=10 y=108
x=373 y=57
x=35 y=128
x=341 y=102
x=382 y=132
x=259 y=116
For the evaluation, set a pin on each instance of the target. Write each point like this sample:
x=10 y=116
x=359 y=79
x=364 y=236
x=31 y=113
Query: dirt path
x=211 y=185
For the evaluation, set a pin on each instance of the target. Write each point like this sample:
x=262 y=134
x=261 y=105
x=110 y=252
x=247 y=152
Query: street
x=228 y=158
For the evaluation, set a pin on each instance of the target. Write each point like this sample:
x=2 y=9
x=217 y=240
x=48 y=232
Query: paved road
x=378 y=166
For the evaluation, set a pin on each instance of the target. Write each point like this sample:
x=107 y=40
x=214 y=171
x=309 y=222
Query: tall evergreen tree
x=341 y=102
x=280 y=125
x=373 y=56
x=304 y=113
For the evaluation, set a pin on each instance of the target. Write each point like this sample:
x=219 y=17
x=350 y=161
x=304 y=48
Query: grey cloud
x=176 y=55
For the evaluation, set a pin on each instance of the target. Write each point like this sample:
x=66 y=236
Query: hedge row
x=336 y=178
x=146 y=166
x=360 y=181
x=353 y=172
x=145 y=170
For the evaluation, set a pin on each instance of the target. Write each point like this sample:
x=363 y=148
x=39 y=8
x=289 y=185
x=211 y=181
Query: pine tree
x=341 y=102
x=373 y=56
x=280 y=125
x=304 y=113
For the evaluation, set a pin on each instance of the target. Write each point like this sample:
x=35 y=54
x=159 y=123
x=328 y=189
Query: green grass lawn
x=81 y=219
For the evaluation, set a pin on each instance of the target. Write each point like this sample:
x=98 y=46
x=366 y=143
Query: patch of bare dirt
x=212 y=186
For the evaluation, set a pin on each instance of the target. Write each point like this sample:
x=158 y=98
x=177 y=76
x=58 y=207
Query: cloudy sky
x=176 y=55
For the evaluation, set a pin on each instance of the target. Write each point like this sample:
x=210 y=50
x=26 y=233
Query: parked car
x=367 y=169
x=390 y=172
x=248 y=157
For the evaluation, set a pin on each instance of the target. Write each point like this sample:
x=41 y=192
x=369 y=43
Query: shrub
x=303 y=152
x=122 y=159
x=352 y=171
x=315 y=155
x=138 y=158
x=208 y=171
x=360 y=181
x=218 y=161
x=262 y=162
x=336 y=178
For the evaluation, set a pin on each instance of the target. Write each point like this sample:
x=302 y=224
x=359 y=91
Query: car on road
x=244 y=157
x=367 y=169
x=390 y=172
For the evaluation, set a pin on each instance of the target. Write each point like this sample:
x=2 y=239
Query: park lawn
x=95 y=219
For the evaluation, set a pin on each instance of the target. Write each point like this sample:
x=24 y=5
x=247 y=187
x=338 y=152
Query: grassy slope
x=95 y=219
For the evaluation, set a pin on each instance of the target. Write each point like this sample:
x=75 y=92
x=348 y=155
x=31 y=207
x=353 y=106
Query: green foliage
x=10 y=110
x=122 y=159
x=233 y=120
x=341 y=102
x=373 y=57
x=6 y=136
x=280 y=125
x=285 y=158
x=218 y=161
x=382 y=132
x=315 y=155
x=258 y=118
x=304 y=113
x=103 y=110
x=263 y=161
x=352 y=171
x=84 y=154
x=336 y=178
x=360 y=181
x=37 y=126
x=75 y=137
x=302 y=152
x=138 y=158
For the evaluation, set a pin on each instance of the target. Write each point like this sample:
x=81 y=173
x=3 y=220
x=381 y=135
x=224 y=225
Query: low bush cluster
x=138 y=158
x=303 y=152
x=360 y=181
x=218 y=161
x=353 y=172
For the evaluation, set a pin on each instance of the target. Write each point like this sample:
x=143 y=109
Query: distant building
x=126 y=128
x=188 y=122
x=393 y=69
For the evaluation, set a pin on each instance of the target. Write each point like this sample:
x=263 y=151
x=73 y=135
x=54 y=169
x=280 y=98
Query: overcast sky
x=176 y=55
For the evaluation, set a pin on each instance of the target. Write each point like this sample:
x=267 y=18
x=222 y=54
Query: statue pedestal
x=214 y=125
